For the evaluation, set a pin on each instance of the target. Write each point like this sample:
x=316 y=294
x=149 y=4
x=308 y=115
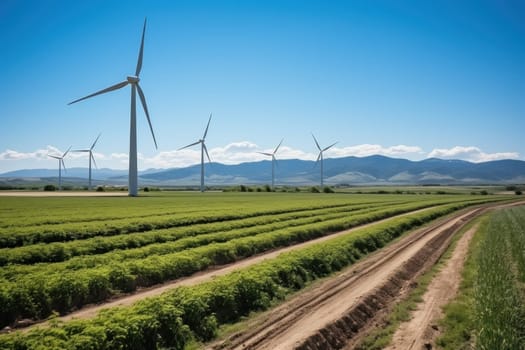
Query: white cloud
x=470 y=153
x=246 y=151
x=39 y=154
x=119 y=156
x=232 y=153
x=292 y=153
x=238 y=152
x=369 y=149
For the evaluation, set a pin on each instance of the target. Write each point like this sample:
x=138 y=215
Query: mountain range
x=372 y=170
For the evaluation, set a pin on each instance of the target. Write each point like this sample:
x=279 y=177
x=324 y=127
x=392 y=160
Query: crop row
x=66 y=231
x=164 y=241
x=499 y=294
x=172 y=319
x=14 y=272
x=36 y=294
x=61 y=251
x=20 y=212
x=21 y=236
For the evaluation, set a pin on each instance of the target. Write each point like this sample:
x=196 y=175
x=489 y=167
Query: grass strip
x=489 y=311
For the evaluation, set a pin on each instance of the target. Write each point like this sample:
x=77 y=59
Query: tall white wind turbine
x=60 y=165
x=135 y=87
x=320 y=156
x=203 y=150
x=273 y=161
x=91 y=157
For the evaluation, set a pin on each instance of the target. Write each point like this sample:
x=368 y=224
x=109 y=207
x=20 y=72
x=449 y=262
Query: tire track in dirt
x=336 y=313
x=420 y=331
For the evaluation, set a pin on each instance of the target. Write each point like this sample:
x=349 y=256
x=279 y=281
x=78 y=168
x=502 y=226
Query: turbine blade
x=66 y=152
x=279 y=145
x=206 y=150
x=145 y=106
x=333 y=144
x=80 y=150
x=266 y=154
x=94 y=143
x=207 y=126
x=93 y=158
x=54 y=157
x=63 y=164
x=141 y=51
x=316 y=143
x=193 y=144
x=275 y=160
x=111 y=88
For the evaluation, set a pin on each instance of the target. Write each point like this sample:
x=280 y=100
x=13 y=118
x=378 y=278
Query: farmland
x=490 y=310
x=60 y=254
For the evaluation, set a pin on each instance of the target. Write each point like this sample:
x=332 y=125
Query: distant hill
x=370 y=170
x=102 y=174
x=353 y=170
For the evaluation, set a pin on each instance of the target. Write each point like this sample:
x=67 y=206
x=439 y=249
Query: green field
x=58 y=254
x=489 y=311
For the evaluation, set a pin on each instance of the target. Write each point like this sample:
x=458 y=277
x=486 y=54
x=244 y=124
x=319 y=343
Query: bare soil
x=421 y=330
x=338 y=312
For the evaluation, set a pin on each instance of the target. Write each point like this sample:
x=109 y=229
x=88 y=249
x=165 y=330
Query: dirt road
x=334 y=313
x=420 y=331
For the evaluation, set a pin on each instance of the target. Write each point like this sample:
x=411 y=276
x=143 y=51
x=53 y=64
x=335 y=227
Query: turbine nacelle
x=133 y=79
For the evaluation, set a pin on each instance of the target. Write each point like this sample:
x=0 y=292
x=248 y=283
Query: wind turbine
x=134 y=82
x=203 y=149
x=91 y=157
x=60 y=165
x=273 y=161
x=320 y=156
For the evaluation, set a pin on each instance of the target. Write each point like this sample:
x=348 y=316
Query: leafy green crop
x=99 y=247
x=175 y=317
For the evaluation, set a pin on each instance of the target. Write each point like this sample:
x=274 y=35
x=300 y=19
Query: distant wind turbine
x=273 y=161
x=203 y=149
x=320 y=156
x=91 y=157
x=134 y=82
x=60 y=165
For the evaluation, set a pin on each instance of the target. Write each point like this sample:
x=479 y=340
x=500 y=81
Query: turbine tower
x=91 y=157
x=320 y=156
x=135 y=87
x=203 y=150
x=60 y=165
x=273 y=161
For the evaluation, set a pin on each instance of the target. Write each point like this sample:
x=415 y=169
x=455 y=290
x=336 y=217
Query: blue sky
x=408 y=79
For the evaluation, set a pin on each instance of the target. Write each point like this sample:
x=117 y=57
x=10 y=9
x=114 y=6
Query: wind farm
x=250 y=235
